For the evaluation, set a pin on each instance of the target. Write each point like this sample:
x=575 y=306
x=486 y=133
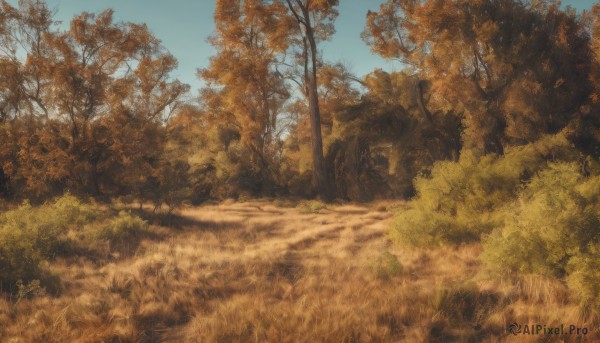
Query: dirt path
x=261 y=230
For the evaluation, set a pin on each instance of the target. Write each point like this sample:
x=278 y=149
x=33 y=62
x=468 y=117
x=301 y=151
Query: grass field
x=262 y=271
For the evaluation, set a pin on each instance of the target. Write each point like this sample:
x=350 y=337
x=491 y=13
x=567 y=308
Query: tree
x=514 y=69
x=245 y=92
x=247 y=78
x=314 y=19
x=86 y=106
x=23 y=88
x=586 y=131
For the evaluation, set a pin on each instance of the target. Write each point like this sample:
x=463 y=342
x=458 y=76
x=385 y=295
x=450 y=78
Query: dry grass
x=256 y=272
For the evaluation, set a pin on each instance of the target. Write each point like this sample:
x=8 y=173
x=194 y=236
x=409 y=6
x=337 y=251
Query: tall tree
x=23 y=85
x=245 y=92
x=314 y=22
x=246 y=78
x=587 y=133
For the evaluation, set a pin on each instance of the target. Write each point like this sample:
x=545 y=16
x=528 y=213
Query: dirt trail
x=261 y=230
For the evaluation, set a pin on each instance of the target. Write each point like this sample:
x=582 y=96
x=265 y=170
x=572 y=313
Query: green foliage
x=31 y=235
x=386 y=266
x=73 y=211
x=552 y=230
x=533 y=216
x=460 y=201
x=312 y=206
x=583 y=278
x=457 y=202
x=123 y=228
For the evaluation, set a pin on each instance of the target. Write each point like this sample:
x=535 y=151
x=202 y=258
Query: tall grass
x=255 y=272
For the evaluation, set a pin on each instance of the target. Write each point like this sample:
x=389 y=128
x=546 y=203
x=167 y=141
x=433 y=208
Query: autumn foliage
x=84 y=110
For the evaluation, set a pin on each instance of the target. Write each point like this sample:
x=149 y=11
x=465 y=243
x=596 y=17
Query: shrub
x=551 y=222
x=30 y=235
x=460 y=201
x=312 y=206
x=73 y=211
x=534 y=216
x=122 y=232
x=583 y=279
x=553 y=230
x=386 y=266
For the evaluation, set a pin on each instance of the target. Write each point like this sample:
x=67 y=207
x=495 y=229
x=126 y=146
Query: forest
x=289 y=200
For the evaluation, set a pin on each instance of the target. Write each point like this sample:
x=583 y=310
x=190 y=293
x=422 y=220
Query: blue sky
x=184 y=25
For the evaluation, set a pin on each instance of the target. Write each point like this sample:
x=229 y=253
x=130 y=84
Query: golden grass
x=256 y=272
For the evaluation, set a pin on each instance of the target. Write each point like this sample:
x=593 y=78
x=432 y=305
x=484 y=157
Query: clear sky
x=184 y=25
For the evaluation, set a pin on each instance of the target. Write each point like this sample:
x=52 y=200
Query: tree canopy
x=93 y=109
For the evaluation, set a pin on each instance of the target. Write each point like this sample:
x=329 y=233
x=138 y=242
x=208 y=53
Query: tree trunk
x=320 y=172
x=319 y=167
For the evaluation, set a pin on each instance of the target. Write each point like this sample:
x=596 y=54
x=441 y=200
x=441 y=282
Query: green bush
x=583 y=278
x=123 y=232
x=30 y=235
x=73 y=211
x=553 y=230
x=386 y=266
x=312 y=206
x=460 y=201
x=536 y=209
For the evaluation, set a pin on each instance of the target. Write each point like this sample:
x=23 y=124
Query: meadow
x=276 y=271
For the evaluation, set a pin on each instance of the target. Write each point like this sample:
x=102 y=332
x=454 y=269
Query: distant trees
x=397 y=140
x=93 y=110
x=83 y=109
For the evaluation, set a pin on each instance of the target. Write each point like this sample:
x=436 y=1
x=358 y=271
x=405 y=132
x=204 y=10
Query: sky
x=183 y=26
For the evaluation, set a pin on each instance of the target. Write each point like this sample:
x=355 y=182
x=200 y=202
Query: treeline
x=84 y=109
x=94 y=111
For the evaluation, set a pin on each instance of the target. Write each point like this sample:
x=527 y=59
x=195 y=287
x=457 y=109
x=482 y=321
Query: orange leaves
x=508 y=65
x=387 y=31
x=248 y=38
x=103 y=90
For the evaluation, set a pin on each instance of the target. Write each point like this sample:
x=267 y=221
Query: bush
x=386 y=266
x=30 y=235
x=533 y=216
x=312 y=206
x=460 y=201
x=583 y=278
x=553 y=230
x=122 y=232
